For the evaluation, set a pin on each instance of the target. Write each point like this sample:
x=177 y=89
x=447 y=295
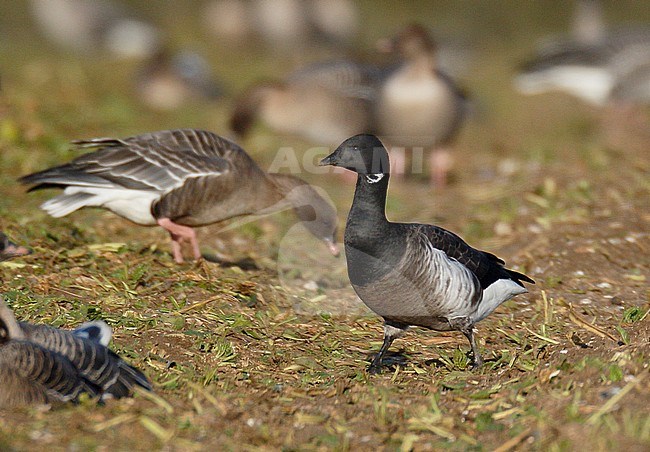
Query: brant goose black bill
x=42 y=364
x=414 y=274
x=180 y=179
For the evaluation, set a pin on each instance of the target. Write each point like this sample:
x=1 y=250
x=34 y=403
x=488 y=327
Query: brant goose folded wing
x=414 y=274
x=180 y=179
x=42 y=364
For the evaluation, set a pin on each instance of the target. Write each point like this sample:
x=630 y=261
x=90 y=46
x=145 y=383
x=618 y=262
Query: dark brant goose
x=42 y=364
x=414 y=274
x=180 y=179
x=597 y=63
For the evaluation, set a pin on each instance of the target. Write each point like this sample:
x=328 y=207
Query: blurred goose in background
x=283 y=24
x=323 y=102
x=9 y=250
x=180 y=179
x=414 y=274
x=168 y=80
x=411 y=104
x=418 y=105
x=40 y=364
x=588 y=23
x=598 y=65
x=94 y=26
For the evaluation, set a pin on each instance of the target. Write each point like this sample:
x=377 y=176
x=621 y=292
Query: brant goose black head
x=363 y=154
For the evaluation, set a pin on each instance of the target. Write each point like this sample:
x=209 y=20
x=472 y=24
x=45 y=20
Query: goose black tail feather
x=519 y=277
x=129 y=377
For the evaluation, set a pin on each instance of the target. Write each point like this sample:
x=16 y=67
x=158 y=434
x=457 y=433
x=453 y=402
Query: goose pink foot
x=440 y=164
x=180 y=234
x=397 y=158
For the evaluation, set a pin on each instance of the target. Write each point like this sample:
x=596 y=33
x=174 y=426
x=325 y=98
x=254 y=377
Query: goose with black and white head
x=414 y=274
x=179 y=180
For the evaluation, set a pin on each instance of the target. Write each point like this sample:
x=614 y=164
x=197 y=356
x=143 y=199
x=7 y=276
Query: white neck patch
x=374 y=178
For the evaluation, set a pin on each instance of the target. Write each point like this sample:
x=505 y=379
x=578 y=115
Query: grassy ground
x=274 y=356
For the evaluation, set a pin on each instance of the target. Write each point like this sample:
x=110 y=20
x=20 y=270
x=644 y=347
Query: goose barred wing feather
x=33 y=374
x=346 y=78
x=487 y=267
x=96 y=363
x=158 y=161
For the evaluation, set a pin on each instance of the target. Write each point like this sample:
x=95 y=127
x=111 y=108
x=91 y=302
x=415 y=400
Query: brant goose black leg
x=377 y=362
x=478 y=359
x=391 y=333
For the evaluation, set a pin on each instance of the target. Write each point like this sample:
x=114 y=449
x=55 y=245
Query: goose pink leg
x=439 y=165
x=180 y=234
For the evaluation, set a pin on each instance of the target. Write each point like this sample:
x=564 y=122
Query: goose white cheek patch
x=374 y=178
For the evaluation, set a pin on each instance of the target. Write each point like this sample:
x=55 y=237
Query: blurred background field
x=273 y=355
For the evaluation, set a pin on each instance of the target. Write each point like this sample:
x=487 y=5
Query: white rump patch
x=374 y=178
x=134 y=205
x=593 y=84
x=496 y=293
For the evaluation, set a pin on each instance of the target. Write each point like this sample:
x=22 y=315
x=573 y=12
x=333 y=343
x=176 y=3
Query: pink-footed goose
x=95 y=26
x=180 y=179
x=40 y=364
x=411 y=104
x=418 y=105
x=323 y=102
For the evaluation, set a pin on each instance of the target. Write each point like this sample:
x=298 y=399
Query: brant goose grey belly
x=180 y=179
x=414 y=274
x=42 y=364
